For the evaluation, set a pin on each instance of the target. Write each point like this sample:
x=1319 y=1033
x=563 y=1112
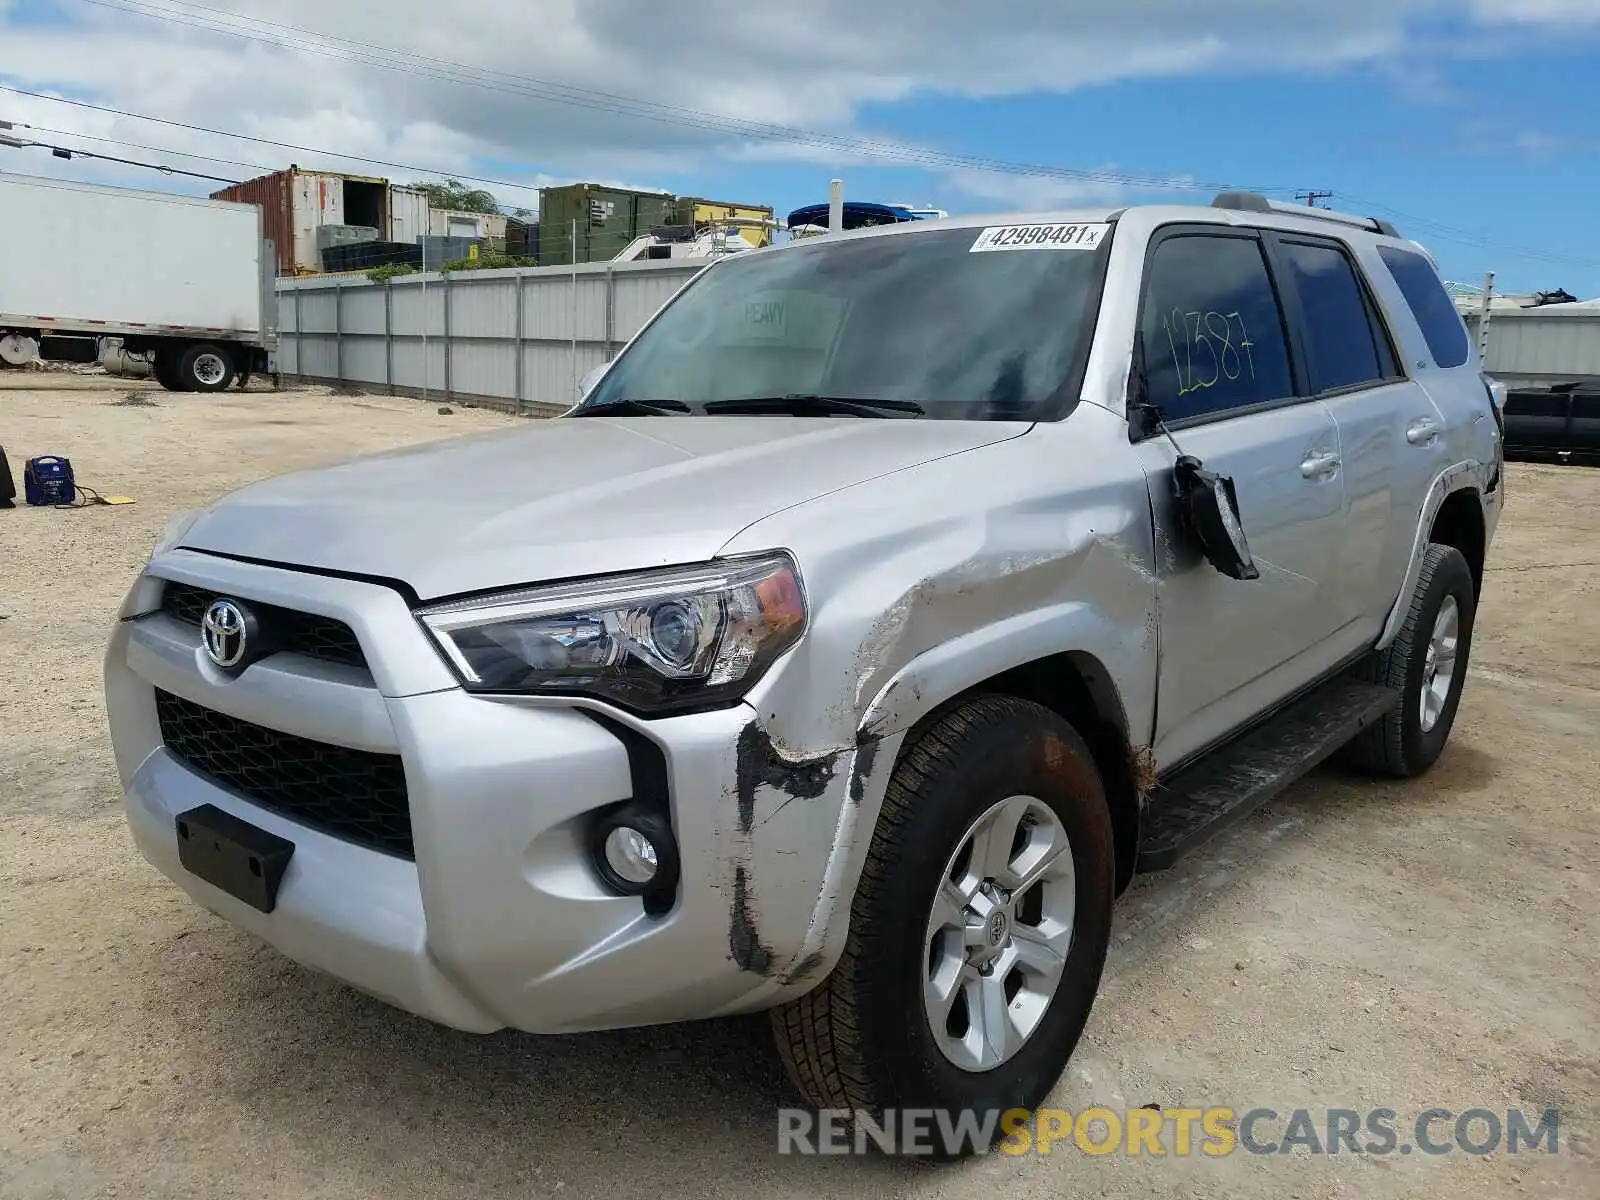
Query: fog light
x=635 y=854
x=631 y=855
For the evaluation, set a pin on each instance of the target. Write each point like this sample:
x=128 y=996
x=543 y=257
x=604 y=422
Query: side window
x=1430 y=304
x=1212 y=328
x=1341 y=342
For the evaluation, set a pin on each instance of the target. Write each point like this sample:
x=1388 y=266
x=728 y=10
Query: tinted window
x=913 y=316
x=1213 y=332
x=1342 y=344
x=1430 y=304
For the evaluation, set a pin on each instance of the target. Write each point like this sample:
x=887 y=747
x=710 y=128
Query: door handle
x=1318 y=465
x=1422 y=432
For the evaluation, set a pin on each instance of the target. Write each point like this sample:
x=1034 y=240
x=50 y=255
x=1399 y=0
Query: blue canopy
x=858 y=214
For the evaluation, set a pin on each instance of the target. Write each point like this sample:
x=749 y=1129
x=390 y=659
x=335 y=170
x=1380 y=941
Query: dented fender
x=917 y=594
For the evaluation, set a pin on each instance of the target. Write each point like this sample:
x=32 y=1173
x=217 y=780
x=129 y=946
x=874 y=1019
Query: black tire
x=862 y=1041
x=206 y=368
x=1398 y=745
x=164 y=367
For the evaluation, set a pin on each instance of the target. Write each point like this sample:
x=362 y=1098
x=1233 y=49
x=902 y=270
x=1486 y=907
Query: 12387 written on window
x=1213 y=332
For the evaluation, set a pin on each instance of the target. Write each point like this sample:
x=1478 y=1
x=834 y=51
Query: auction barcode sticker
x=1040 y=237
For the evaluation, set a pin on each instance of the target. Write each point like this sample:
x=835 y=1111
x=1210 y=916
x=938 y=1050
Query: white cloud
x=1539 y=12
x=817 y=67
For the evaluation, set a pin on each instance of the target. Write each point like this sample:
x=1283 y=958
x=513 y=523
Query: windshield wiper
x=648 y=408
x=802 y=404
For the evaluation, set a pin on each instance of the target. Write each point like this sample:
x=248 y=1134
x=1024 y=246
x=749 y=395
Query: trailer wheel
x=164 y=368
x=205 y=368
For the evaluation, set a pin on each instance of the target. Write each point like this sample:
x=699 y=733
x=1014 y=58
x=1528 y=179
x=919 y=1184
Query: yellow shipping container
x=692 y=210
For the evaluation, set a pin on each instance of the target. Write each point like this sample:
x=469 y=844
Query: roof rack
x=1255 y=202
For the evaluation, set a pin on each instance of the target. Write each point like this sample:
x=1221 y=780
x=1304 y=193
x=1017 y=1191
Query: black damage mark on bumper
x=758 y=762
x=744 y=940
x=866 y=755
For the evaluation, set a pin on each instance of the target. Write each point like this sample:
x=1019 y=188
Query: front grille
x=303 y=633
x=352 y=794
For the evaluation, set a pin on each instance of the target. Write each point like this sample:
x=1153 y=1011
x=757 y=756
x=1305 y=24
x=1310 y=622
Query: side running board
x=1239 y=777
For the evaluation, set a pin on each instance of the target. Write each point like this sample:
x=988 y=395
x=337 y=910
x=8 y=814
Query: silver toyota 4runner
x=885 y=606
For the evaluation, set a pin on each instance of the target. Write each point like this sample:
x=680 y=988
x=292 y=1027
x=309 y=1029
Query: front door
x=1218 y=367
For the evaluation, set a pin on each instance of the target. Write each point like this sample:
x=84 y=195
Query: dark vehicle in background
x=1560 y=422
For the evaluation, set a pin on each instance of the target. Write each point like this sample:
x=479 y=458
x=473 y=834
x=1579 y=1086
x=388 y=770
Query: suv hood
x=566 y=497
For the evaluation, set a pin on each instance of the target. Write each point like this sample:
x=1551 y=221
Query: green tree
x=458 y=197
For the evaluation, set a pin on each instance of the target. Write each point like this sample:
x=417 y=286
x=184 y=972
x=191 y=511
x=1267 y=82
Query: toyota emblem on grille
x=225 y=630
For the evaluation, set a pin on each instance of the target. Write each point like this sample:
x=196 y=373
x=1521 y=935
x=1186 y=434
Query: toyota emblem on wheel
x=224 y=630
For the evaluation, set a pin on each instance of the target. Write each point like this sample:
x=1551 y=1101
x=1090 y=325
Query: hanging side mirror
x=1209 y=507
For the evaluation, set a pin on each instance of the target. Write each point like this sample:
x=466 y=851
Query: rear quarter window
x=1430 y=304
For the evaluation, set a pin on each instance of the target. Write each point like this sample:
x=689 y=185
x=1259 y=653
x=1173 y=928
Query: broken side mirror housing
x=1210 y=508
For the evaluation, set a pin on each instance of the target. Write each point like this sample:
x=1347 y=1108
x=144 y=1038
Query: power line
x=110 y=141
x=294 y=38
x=1476 y=239
x=70 y=152
x=245 y=137
x=1312 y=197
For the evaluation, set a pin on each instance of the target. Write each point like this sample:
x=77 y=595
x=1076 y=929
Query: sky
x=1469 y=123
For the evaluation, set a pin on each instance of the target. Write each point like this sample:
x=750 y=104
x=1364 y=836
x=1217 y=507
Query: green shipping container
x=605 y=220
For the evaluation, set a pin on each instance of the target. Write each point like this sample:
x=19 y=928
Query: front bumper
x=501 y=919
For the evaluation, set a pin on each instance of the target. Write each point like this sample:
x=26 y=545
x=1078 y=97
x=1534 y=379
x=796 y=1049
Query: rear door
x=1216 y=354
x=1391 y=434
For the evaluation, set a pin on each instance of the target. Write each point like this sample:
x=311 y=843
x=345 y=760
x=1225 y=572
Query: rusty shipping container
x=295 y=204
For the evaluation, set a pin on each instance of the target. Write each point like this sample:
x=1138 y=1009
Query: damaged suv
x=877 y=614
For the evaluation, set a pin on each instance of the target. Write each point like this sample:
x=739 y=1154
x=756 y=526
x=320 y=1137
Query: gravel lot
x=1357 y=945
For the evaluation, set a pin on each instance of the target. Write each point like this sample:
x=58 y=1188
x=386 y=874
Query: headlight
x=144 y=597
x=658 y=641
x=176 y=529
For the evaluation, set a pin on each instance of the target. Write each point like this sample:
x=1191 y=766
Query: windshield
x=959 y=324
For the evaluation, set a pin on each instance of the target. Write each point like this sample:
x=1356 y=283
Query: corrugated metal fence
x=1535 y=347
x=517 y=339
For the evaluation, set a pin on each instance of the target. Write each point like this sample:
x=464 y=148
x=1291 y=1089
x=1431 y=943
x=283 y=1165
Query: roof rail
x=1255 y=202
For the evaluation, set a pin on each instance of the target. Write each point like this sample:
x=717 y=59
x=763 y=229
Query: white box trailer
x=186 y=282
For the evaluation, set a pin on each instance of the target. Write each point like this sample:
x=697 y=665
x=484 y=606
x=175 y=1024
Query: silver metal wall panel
x=319 y=355
x=363 y=309
x=560 y=306
x=483 y=368
x=640 y=295
x=408 y=366
x=411 y=300
x=364 y=359
x=549 y=375
x=483 y=307
x=317 y=311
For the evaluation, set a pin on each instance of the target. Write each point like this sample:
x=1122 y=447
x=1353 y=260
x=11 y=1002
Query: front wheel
x=978 y=932
x=1427 y=664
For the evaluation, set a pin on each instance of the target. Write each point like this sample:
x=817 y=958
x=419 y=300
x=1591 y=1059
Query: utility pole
x=1312 y=197
x=1483 y=319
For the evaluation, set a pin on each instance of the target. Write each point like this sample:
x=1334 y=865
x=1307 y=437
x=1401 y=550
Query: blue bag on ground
x=48 y=480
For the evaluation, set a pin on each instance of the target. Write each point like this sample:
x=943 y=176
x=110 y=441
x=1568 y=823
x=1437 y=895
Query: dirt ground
x=1357 y=945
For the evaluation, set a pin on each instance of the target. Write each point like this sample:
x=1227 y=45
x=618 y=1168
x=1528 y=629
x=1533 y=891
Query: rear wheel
x=978 y=932
x=1427 y=665
x=205 y=368
x=164 y=367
